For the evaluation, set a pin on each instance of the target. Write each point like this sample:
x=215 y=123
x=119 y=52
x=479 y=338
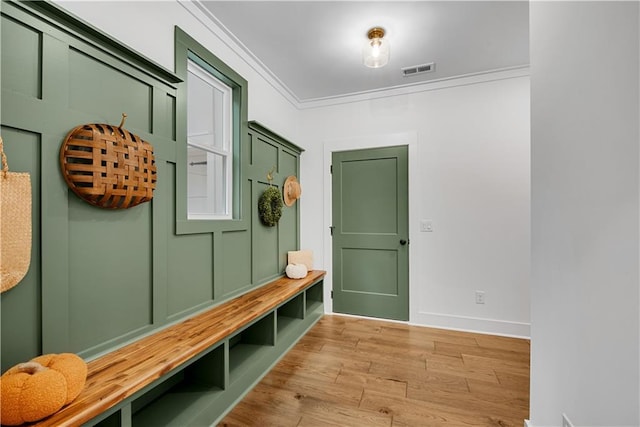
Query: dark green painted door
x=371 y=232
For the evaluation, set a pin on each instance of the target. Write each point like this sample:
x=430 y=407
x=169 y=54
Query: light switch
x=426 y=226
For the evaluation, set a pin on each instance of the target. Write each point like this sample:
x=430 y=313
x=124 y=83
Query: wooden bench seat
x=116 y=376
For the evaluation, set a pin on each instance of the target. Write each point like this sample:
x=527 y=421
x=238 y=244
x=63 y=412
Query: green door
x=371 y=232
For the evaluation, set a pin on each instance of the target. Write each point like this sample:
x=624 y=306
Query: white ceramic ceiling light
x=375 y=53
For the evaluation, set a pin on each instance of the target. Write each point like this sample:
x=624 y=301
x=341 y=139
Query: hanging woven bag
x=15 y=224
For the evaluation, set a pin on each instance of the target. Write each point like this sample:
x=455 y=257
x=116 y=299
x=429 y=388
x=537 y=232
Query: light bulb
x=375 y=48
x=375 y=52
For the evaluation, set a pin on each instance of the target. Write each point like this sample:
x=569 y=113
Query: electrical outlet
x=479 y=297
x=426 y=226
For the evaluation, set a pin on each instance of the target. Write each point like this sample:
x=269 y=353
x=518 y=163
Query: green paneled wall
x=109 y=272
x=114 y=88
x=270 y=244
x=236 y=261
x=21 y=67
x=21 y=319
x=194 y=272
x=99 y=278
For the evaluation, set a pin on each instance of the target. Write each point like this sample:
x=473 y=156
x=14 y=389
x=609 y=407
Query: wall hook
x=124 y=118
x=270 y=175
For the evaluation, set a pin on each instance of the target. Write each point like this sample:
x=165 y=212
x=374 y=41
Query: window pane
x=207 y=108
x=207 y=184
x=209 y=147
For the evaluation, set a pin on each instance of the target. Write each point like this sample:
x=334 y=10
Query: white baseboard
x=472 y=324
x=528 y=423
x=567 y=423
x=459 y=323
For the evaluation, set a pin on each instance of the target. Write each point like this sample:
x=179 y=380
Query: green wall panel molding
x=265 y=242
x=98 y=278
x=114 y=88
x=110 y=284
x=23 y=76
x=264 y=154
x=60 y=19
x=236 y=262
x=268 y=150
x=97 y=286
x=256 y=126
x=191 y=271
x=94 y=271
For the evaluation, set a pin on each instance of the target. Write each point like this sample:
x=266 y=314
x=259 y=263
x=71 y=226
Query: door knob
x=403 y=242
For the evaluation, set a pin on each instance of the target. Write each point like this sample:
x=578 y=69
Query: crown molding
x=217 y=28
x=453 y=81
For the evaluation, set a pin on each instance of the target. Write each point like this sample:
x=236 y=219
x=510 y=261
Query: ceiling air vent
x=418 y=69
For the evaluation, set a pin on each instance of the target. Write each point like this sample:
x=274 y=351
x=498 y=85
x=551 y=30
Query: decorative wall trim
x=218 y=29
x=54 y=14
x=454 y=81
x=472 y=324
x=204 y=15
x=528 y=423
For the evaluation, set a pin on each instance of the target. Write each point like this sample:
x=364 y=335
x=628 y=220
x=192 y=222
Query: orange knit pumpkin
x=36 y=389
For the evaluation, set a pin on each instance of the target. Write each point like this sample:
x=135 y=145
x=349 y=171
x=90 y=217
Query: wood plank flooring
x=359 y=372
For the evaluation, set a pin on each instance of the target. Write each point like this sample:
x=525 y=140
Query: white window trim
x=227 y=135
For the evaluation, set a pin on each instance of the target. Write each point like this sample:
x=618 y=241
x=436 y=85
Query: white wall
x=471 y=177
x=585 y=211
x=469 y=174
x=148 y=27
x=469 y=167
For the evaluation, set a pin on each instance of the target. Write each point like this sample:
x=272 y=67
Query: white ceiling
x=314 y=48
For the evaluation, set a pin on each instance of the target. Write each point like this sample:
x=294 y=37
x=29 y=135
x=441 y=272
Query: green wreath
x=270 y=206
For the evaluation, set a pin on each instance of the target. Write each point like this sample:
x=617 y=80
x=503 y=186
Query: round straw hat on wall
x=291 y=191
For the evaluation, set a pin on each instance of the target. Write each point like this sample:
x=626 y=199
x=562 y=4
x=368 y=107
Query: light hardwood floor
x=358 y=372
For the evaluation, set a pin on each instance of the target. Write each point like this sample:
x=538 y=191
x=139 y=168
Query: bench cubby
x=313 y=298
x=194 y=372
x=288 y=316
x=247 y=347
x=184 y=395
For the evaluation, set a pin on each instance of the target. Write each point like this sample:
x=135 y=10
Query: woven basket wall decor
x=108 y=166
x=15 y=224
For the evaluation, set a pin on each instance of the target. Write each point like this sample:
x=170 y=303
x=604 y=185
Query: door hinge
x=331 y=294
x=331 y=169
x=331 y=227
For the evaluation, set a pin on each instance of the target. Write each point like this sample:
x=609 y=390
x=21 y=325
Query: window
x=212 y=139
x=209 y=145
